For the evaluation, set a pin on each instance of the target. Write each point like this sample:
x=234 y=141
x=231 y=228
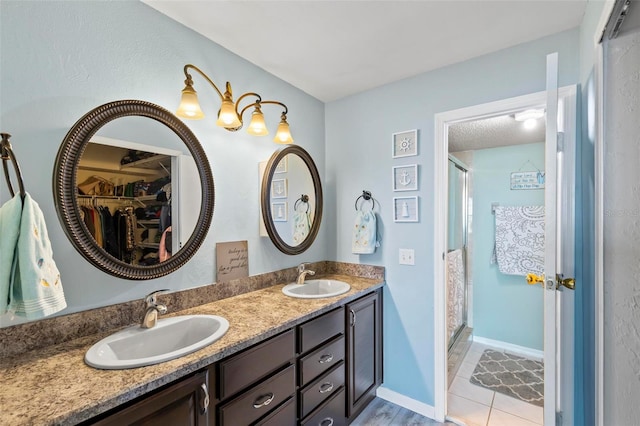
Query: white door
x=559 y=268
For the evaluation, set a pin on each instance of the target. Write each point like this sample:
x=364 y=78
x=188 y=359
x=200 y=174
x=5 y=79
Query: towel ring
x=303 y=199
x=366 y=196
x=7 y=155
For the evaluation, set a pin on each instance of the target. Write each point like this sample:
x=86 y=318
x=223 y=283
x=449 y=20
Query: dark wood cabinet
x=364 y=351
x=184 y=403
x=322 y=372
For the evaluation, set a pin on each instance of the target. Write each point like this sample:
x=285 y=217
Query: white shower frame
x=442 y=121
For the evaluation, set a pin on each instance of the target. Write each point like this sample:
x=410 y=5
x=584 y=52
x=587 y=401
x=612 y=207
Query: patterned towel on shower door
x=519 y=247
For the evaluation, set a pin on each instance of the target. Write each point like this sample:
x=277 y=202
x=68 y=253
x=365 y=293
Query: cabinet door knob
x=264 y=400
x=205 y=400
x=326 y=387
x=326 y=422
x=325 y=358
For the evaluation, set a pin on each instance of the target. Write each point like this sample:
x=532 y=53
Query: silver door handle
x=326 y=387
x=325 y=358
x=264 y=400
x=205 y=401
x=326 y=422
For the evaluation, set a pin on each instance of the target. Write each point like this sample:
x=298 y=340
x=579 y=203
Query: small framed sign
x=232 y=260
x=282 y=165
x=527 y=180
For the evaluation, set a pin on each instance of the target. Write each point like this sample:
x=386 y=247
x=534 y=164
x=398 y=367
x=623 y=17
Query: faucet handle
x=152 y=297
x=302 y=267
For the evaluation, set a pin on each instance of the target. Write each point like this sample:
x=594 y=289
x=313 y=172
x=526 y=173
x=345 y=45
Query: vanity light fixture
x=530 y=117
x=230 y=114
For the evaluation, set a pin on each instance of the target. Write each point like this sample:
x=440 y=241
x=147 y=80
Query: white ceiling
x=332 y=49
x=493 y=132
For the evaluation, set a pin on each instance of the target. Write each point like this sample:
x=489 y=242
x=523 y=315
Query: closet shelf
x=154 y=162
x=149 y=221
x=149 y=245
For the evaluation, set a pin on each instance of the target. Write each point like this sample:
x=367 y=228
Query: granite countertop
x=53 y=385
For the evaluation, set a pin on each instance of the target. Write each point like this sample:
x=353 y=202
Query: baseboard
x=406 y=402
x=516 y=349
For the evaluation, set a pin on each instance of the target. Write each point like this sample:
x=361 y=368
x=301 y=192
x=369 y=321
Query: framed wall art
x=405 y=209
x=279 y=188
x=405 y=178
x=405 y=144
x=279 y=211
x=282 y=166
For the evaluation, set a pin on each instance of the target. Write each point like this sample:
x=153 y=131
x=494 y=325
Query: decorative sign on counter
x=232 y=260
x=527 y=180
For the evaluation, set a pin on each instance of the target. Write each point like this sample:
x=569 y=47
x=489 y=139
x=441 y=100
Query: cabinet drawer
x=243 y=369
x=321 y=389
x=259 y=400
x=320 y=360
x=283 y=416
x=331 y=413
x=320 y=329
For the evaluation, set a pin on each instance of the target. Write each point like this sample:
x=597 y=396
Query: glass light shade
x=257 y=127
x=227 y=117
x=189 y=106
x=283 y=135
x=529 y=114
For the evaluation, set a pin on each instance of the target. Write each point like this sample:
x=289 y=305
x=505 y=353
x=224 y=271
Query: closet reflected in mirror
x=128 y=173
x=129 y=200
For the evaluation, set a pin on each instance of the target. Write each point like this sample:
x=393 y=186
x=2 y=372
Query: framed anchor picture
x=405 y=178
x=405 y=144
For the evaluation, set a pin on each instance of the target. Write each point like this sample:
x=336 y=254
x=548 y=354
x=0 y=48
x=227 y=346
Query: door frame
x=442 y=121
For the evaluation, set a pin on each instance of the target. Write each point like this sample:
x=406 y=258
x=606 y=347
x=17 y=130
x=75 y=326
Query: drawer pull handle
x=205 y=400
x=326 y=422
x=325 y=358
x=326 y=387
x=264 y=400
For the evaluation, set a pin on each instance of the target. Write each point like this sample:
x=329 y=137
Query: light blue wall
x=61 y=59
x=358 y=132
x=505 y=308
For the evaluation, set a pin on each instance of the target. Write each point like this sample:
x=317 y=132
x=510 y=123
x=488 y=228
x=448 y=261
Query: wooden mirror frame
x=65 y=192
x=266 y=200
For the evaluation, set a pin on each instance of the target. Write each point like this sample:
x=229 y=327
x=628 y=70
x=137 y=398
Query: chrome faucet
x=153 y=309
x=303 y=272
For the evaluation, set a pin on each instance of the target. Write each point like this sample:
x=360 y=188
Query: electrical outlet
x=407 y=256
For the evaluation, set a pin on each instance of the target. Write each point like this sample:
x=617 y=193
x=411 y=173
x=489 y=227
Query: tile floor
x=476 y=406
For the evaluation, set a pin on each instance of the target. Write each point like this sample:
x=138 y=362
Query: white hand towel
x=364 y=239
x=36 y=290
x=10 y=214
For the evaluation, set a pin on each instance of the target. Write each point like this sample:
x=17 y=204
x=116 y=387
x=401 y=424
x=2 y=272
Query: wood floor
x=384 y=413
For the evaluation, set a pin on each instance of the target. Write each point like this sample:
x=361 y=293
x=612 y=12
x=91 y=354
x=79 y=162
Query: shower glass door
x=456 y=250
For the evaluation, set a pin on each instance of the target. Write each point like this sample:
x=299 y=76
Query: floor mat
x=512 y=375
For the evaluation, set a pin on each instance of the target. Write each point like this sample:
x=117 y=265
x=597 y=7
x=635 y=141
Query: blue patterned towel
x=10 y=214
x=364 y=239
x=519 y=245
x=36 y=290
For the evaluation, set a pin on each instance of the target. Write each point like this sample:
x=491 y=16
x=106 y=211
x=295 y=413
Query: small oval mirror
x=291 y=200
x=123 y=181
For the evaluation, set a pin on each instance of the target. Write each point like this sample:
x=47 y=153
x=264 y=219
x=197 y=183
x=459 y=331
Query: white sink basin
x=171 y=338
x=316 y=289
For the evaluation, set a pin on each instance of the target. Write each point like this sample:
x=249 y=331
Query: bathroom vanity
x=321 y=372
x=283 y=361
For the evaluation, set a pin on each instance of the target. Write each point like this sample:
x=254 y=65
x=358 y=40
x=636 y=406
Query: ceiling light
x=530 y=114
x=530 y=123
x=229 y=116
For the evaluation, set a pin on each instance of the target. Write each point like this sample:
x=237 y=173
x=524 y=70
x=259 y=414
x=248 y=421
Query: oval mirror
x=291 y=200
x=133 y=189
